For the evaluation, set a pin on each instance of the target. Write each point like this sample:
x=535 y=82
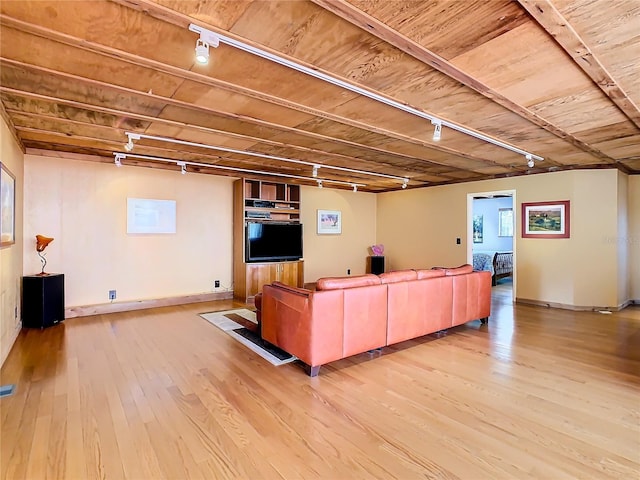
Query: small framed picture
x=478 y=229
x=329 y=222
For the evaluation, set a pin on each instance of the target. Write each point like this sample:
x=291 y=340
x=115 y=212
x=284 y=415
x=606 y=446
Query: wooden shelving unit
x=267 y=201
x=257 y=200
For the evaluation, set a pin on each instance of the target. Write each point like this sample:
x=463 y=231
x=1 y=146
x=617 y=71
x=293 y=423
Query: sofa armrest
x=471 y=297
x=307 y=324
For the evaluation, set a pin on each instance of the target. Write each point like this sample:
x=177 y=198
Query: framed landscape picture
x=329 y=222
x=546 y=219
x=7 y=207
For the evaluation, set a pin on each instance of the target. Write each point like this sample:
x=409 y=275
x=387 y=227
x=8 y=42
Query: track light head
x=118 y=159
x=530 y=162
x=404 y=183
x=319 y=183
x=437 y=130
x=202 y=52
x=207 y=39
x=183 y=167
x=131 y=136
x=315 y=171
x=355 y=187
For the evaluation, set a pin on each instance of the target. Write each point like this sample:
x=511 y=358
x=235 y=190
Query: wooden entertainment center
x=262 y=201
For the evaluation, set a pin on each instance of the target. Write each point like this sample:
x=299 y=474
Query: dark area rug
x=254 y=338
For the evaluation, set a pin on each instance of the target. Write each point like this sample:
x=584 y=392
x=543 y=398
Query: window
x=505 y=222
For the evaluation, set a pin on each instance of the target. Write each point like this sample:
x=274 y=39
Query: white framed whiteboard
x=145 y=215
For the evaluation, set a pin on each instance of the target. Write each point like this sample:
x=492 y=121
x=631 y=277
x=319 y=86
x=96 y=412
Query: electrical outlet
x=216 y=284
x=112 y=294
x=348 y=271
x=458 y=241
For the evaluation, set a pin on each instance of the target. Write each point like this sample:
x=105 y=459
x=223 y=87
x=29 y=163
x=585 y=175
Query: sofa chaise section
x=342 y=317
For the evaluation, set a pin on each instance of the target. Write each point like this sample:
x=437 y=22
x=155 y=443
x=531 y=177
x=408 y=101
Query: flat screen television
x=273 y=242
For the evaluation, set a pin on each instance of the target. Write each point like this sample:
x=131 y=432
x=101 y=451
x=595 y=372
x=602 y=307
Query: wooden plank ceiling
x=557 y=78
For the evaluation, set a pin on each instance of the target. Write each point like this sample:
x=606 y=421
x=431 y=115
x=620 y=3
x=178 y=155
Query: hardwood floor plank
x=537 y=393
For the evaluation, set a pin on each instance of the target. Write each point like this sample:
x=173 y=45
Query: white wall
x=11 y=255
x=83 y=206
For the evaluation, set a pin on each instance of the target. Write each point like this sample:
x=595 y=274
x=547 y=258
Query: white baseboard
x=86 y=310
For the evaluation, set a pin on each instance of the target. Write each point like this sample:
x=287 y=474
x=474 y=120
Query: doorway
x=490 y=237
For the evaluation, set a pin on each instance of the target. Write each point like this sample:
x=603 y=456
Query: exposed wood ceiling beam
x=181 y=20
x=366 y=22
x=217 y=166
x=137 y=60
x=180 y=153
x=174 y=123
x=558 y=27
x=7 y=119
x=250 y=120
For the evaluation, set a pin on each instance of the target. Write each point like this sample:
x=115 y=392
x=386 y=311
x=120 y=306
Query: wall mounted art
x=7 y=207
x=546 y=219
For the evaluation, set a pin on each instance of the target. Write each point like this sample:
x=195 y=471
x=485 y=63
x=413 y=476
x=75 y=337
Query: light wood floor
x=537 y=393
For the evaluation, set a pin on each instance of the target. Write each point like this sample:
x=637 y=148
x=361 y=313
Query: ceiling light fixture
x=202 y=52
x=265 y=155
x=131 y=136
x=207 y=39
x=437 y=130
x=118 y=159
x=314 y=174
x=183 y=167
x=530 y=161
x=356 y=89
x=404 y=184
x=234 y=169
x=355 y=188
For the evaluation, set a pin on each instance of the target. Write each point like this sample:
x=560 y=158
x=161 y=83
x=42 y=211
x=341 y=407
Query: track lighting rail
x=315 y=166
x=119 y=157
x=439 y=123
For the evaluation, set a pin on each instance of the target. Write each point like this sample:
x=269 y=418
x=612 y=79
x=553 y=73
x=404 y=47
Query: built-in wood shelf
x=262 y=201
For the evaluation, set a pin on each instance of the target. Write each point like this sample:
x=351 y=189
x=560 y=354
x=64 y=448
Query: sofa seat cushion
x=335 y=283
x=398 y=276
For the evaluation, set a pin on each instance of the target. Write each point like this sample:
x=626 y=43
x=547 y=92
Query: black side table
x=42 y=300
x=375 y=264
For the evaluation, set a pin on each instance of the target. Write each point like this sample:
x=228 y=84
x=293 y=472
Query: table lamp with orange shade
x=41 y=243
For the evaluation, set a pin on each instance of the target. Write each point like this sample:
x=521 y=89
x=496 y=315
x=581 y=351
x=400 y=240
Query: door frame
x=470 y=198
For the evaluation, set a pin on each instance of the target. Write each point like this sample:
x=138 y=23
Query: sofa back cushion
x=335 y=283
x=398 y=276
x=422 y=273
x=290 y=288
x=461 y=270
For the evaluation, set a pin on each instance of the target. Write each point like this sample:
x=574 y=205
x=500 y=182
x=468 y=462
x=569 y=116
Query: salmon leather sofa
x=345 y=316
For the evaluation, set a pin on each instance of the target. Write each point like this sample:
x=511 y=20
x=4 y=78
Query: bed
x=500 y=264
